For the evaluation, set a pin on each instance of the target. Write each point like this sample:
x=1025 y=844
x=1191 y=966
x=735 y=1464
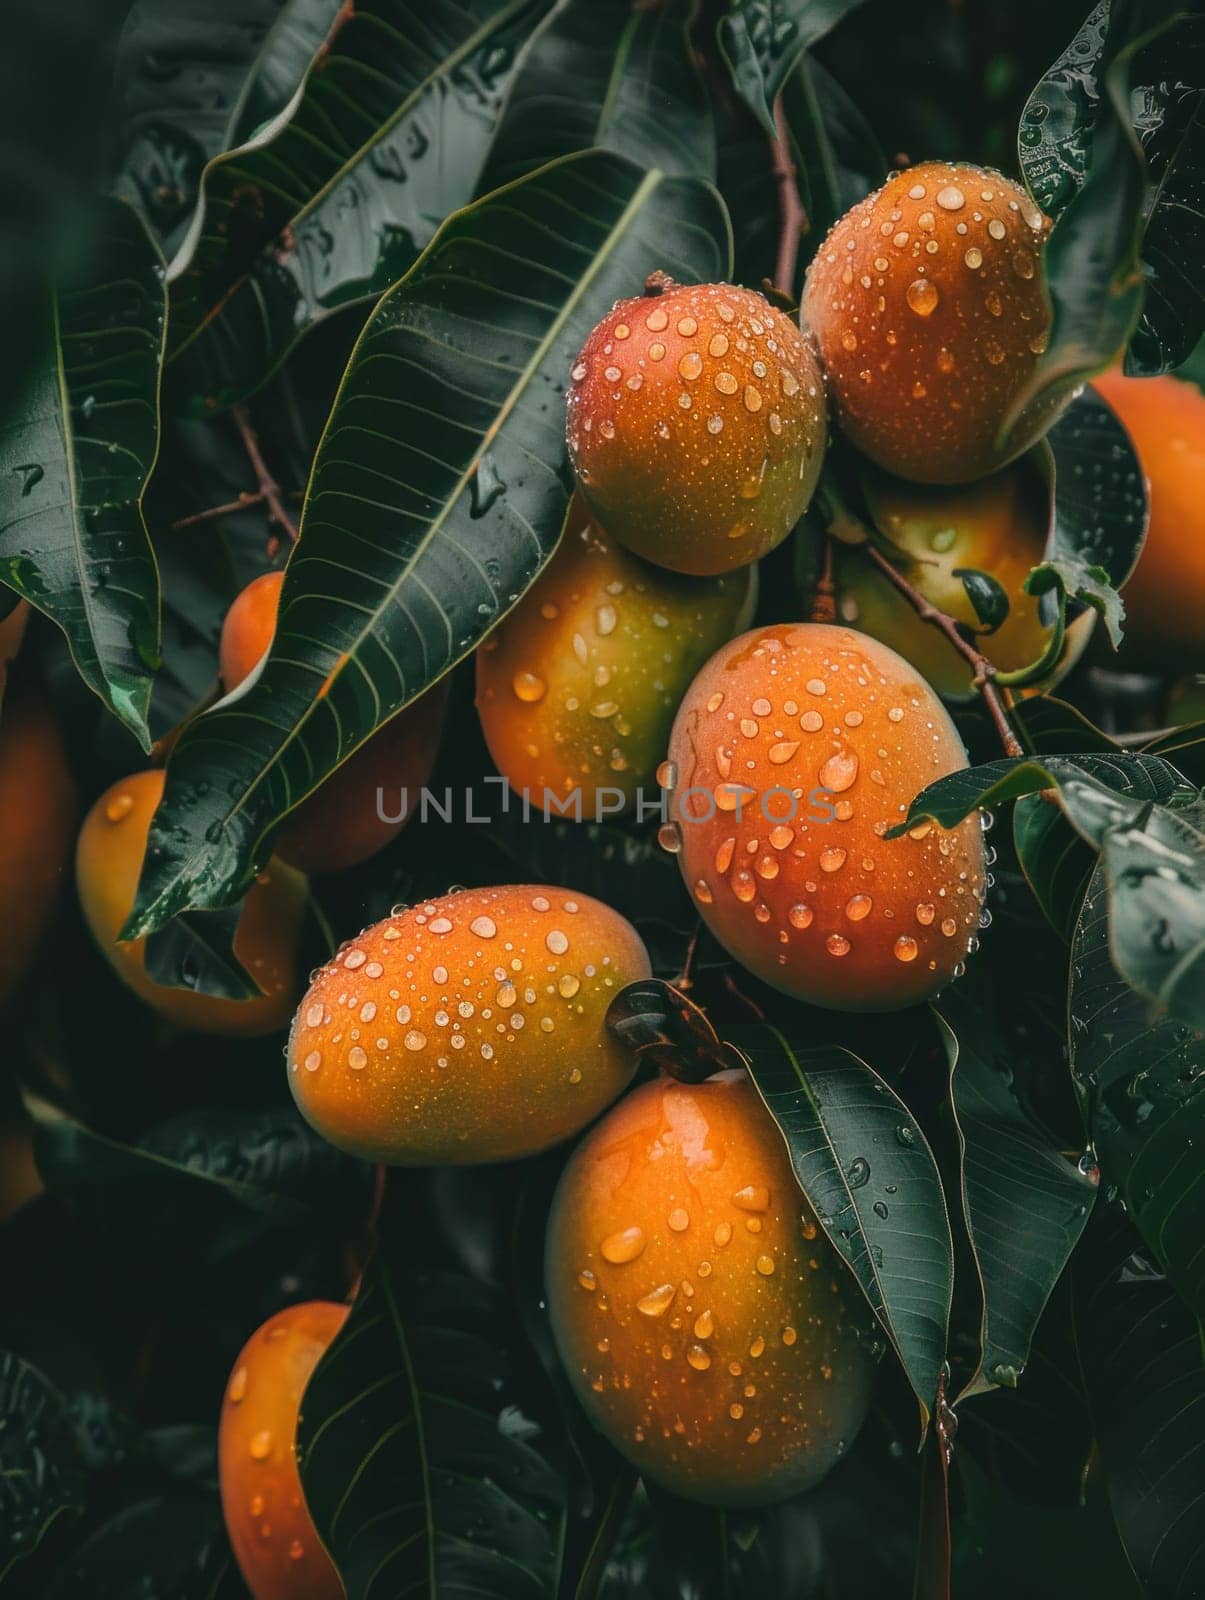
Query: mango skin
x=108 y=864
x=467 y=1029
x=39 y=803
x=927 y=305
x=706 y=1324
x=998 y=526
x=273 y=1537
x=696 y=423
x=1165 y=594
x=795 y=750
x=578 y=687
x=339 y=825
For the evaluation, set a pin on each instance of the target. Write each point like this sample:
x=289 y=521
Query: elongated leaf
x=1047 y=725
x=951 y=799
x=1025 y=1204
x=1140 y=1355
x=1185 y=748
x=1093 y=262
x=762 y=40
x=422 y=1472
x=836 y=153
x=75 y=456
x=195 y=77
x=40 y=1468
x=609 y=75
x=865 y=1166
x=334 y=199
x=1055 y=142
x=172 y=1543
x=213 y=1177
x=1098 y=510
x=1141 y=1081
x=436 y=496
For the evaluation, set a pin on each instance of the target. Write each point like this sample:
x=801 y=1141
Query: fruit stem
x=269 y=489
x=794 y=218
x=983 y=670
x=824 y=596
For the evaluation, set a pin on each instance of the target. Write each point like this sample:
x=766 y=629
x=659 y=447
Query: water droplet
x=837 y=945
x=858 y=907
x=557 y=942
x=832 y=860
x=691 y=365
x=906 y=948
x=951 y=198
x=800 y=916
x=484 y=927
x=839 y=772
x=119 y=807
x=753 y=1197
x=238 y=1386
x=261 y=1445
x=765 y=1266
x=698 y=1358
x=974 y=258
x=658 y=1301
x=624 y=1246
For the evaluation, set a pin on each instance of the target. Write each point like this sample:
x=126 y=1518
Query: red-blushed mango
x=108 y=863
x=577 y=689
x=1165 y=595
x=926 y=301
x=998 y=526
x=696 y=425
x=707 y=1325
x=39 y=805
x=274 y=1540
x=341 y=823
x=467 y=1029
x=795 y=750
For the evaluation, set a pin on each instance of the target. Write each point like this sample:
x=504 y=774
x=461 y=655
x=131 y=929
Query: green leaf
x=1044 y=723
x=1140 y=1077
x=1098 y=510
x=437 y=495
x=836 y=154
x=1164 y=92
x=193 y=78
x=1140 y=1355
x=864 y=1164
x=75 y=456
x=1025 y=1204
x=423 y=1467
x=1184 y=748
x=988 y=597
x=334 y=199
x=40 y=1471
x=952 y=798
x=1093 y=265
x=762 y=40
x=213 y=1178
x=195 y=951
x=163 y=1544
x=609 y=75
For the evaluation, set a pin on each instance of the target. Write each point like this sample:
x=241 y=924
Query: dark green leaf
x=950 y=799
x=40 y=1471
x=837 y=157
x=762 y=40
x=75 y=456
x=664 y=1028
x=422 y=1470
x=214 y=1177
x=437 y=495
x=1093 y=263
x=1054 y=139
x=609 y=75
x=867 y=1170
x=1025 y=1204
x=166 y=1544
x=195 y=951
x=1141 y=1081
x=1098 y=510
x=1140 y=1354
x=335 y=199
x=987 y=596
x=195 y=77
x=1185 y=749
x=1048 y=725
x=1056 y=862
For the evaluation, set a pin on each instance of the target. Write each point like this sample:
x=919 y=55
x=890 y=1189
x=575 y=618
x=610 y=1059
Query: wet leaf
x=192 y=79
x=608 y=75
x=422 y=1468
x=864 y=1164
x=75 y=454
x=1025 y=1204
x=762 y=41
x=333 y=200
x=41 y=1478
x=987 y=596
x=446 y=442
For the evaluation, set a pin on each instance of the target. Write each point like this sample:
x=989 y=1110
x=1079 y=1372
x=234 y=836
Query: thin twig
x=269 y=489
x=684 y=979
x=243 y=503
x=983 y=670
x=794 y=217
